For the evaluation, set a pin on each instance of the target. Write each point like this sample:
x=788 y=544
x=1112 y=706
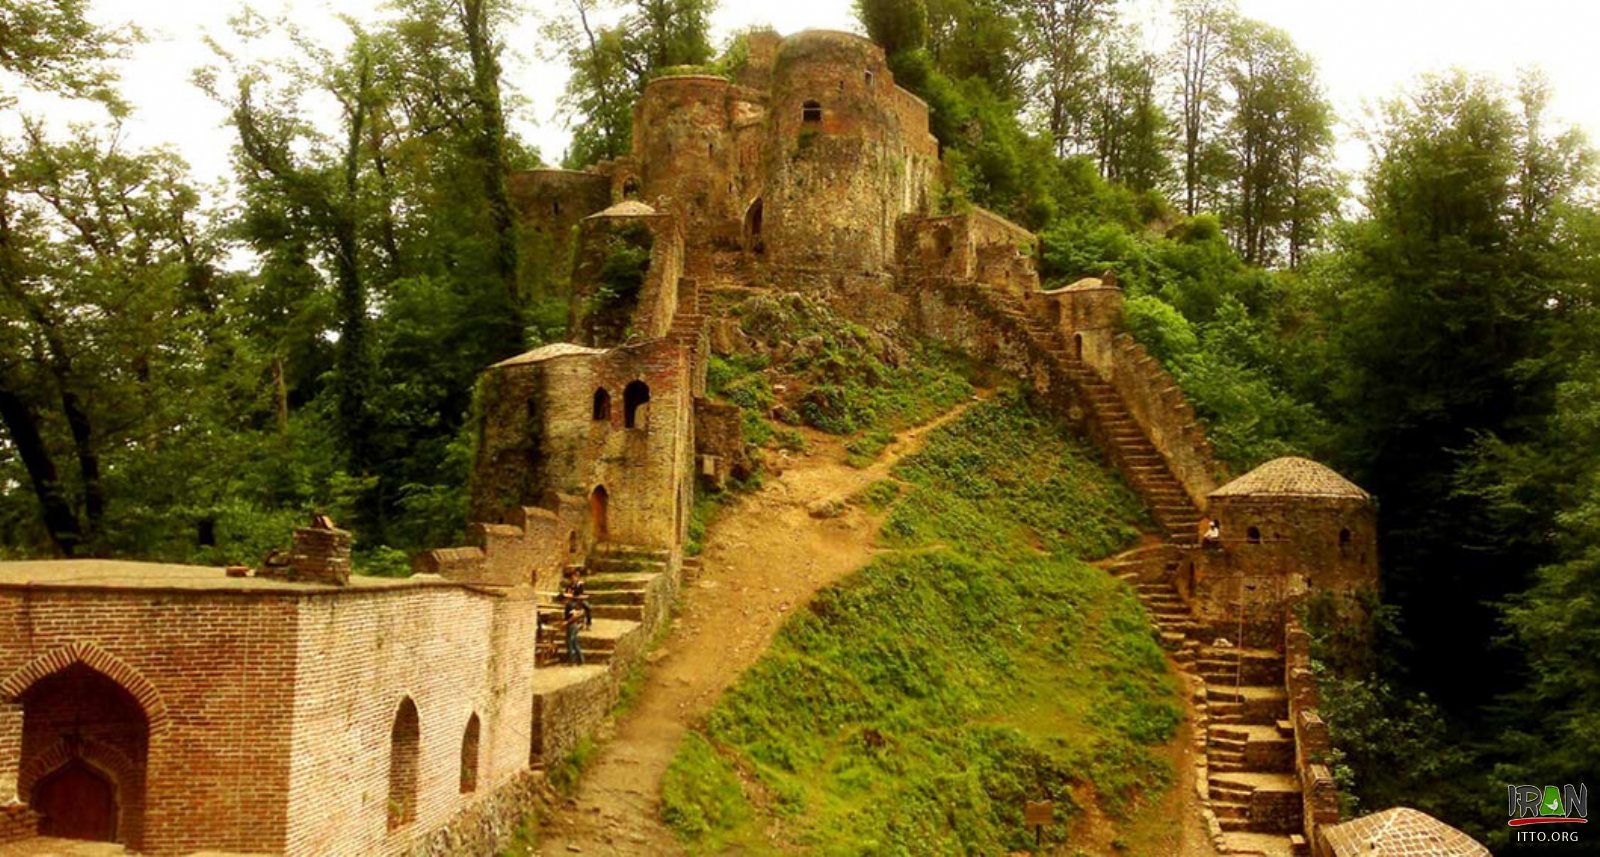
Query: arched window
x=404 y=744
x=602 y=404
x=869 y=78
x=1344 y=537
x=1253 y=535
x=634 y=397
x=811 y=111
x=469 y=757
x=1077 y=345
x=630 y=188
x=555 y=207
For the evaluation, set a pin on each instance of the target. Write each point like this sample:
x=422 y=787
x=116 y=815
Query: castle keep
x=301 y=709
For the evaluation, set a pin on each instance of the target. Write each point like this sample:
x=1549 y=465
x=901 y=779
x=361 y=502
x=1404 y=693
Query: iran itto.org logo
x=1533 y=808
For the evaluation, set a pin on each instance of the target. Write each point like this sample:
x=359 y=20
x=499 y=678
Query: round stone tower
x=683 y=144
x=834 y=162
x=1289 y=528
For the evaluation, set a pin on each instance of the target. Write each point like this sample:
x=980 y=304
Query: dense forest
x=182 y=377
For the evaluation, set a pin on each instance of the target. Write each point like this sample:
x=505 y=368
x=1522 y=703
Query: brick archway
x=99 y=660
x=108 y=760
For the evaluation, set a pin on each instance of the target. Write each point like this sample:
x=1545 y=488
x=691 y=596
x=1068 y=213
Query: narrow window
x=811 y=111
x=635 y=396
x=555 y=208
x=630 y=188
x=404 y=744
x=1253 y=535
x=602 y=404
x=1344 y=538
x=599 y=504
x=869 y=78
x=469 y=757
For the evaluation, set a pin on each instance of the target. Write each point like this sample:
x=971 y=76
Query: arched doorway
x=598 y=501
x=85 y=742
x=1077 y=346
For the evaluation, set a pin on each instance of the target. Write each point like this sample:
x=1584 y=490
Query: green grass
x=912 y=708
x=835 y=376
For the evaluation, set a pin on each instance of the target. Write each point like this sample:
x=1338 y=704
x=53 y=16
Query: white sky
x=1366 y=49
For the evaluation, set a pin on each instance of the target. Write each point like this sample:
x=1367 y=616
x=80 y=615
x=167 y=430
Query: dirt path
x=764 y=557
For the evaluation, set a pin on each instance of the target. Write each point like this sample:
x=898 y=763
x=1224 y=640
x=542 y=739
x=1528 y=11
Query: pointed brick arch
x=99 y=660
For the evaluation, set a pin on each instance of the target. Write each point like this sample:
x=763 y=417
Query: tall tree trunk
x=23 y=429
x=491 y=151
x=355 y=382
x=65 y=528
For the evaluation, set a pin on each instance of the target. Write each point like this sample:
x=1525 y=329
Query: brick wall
x=454 y=653
x=212 y=674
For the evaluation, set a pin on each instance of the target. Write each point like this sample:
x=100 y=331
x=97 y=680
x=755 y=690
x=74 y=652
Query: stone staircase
x=619 y=580
x=1126 y=443
x=1253 y=790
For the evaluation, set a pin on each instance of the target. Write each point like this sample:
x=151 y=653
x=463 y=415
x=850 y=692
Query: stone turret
x=1289 y=528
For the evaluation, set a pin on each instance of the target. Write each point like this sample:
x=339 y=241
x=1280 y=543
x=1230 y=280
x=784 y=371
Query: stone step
x=612 y=581
x=632 y=612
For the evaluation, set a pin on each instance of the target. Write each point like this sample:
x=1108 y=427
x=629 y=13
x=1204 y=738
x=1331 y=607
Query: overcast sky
x=1366 y=50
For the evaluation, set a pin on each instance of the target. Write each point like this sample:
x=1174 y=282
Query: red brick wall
x=454 y=653
x=218 y=669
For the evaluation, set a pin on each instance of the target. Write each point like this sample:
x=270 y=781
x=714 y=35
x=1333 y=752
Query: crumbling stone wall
x=1274 y=549
x=976 y=245
x=1088 y=314
x=695 y=154
x=615 y=298
x=549 y=205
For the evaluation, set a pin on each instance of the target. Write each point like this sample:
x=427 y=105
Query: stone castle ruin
x=300 y=709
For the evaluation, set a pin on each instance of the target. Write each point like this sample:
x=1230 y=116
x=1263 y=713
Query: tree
x=611 y=65
x=896 y=25
x=1441 y=324
x=54 y=47
x=1059 y=38
x=1129 y=131
x=108 y=292
x=1280 y=137
x=1202 y=25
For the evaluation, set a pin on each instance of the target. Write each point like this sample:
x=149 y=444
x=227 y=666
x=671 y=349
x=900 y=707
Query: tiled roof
x=626 y=208
x=558 y=349
x=1291 y=477
x=1399 y=832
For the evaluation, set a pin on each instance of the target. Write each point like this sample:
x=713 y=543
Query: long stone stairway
x=1126 y=443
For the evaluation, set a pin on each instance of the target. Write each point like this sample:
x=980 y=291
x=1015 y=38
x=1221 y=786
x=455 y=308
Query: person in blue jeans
x=572 y=613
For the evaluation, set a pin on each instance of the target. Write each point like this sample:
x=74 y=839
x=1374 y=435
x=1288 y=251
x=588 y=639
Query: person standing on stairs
x=576 y=591
x=572 y=615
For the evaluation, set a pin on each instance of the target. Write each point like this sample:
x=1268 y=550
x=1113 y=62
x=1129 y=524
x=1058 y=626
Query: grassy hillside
x=914 y=707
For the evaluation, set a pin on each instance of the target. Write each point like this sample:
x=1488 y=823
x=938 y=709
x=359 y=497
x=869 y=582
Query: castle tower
x=846 y=156
x=1289 y=528
x=683 y=146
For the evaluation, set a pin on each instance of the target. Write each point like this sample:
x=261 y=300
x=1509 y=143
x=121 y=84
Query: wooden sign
x=1037 y=813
